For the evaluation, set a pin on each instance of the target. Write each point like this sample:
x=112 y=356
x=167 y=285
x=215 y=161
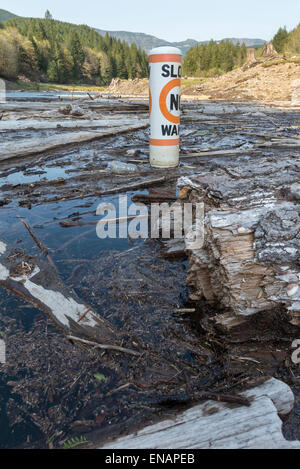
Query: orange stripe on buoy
x=163 y=100
x=164 y=143
x=164 y=58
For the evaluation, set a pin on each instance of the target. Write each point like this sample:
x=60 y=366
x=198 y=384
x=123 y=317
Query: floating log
x=38 y=145
x=33 y=124
x=37 y=282
x=250 y=258
x=216 y=425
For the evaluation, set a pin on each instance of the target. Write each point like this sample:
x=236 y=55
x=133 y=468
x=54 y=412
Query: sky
x=172 y=20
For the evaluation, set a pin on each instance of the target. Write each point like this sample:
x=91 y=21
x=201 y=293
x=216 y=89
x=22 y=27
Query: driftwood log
x=37 y=282
x=33 y=146
x=250 y=258
x=215 y=425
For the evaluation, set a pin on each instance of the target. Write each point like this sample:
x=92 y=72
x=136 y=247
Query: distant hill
x=147 y=42
x=6 y=15
x=248 y=42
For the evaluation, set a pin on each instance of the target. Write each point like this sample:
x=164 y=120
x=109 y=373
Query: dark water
x=76 y=243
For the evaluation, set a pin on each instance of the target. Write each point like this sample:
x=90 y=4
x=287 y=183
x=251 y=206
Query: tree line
x=53 y=51
x=214 y=58
x=287 y=42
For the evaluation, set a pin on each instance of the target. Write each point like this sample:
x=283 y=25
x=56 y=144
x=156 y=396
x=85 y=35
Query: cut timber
x=217 y=425
x=38 y=145
x=250 y=258
x=33 y=124
x=101 y=105
x=221 y=153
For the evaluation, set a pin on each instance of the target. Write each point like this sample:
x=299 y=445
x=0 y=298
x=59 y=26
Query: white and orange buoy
x=164 y=106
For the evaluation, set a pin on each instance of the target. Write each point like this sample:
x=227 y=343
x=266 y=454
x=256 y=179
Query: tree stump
x=250 y=258
x=269 y=50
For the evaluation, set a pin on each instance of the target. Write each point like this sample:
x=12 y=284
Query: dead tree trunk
x=250 y=258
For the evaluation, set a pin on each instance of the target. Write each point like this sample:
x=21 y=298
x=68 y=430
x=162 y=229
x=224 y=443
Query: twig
x=104 y=346
x=184 y=310
x=120 y=388
x=244 y=358
x=84 y=314
x=38 y=243
x=70 y=223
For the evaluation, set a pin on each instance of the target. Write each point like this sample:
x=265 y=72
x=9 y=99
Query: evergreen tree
x=77 y=54
x=66 y=52
x=48 y=15
x=280 y=39
x=214 y=58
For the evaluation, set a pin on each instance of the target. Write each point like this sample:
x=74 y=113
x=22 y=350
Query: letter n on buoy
x=164 y=106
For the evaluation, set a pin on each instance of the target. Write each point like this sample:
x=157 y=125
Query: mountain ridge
x=147 y=41
x=6 y=15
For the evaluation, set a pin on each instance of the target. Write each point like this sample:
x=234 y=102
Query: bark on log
x=250 y=258
x=215 y=425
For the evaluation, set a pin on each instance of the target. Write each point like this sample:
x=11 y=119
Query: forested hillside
x=54 y=51
x=288 y=43
x=214 y=58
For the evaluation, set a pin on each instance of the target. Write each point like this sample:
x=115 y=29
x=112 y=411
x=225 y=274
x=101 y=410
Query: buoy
x=164 y=106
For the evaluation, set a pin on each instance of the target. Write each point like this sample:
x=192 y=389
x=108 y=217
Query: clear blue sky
x=174 y=20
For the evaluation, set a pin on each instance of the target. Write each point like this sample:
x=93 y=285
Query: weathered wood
x=269 y=50
x=38 y=145
x=26 y=278
x=251 y=55
x=249 y=260
x=217 y=425
x=32 y=124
